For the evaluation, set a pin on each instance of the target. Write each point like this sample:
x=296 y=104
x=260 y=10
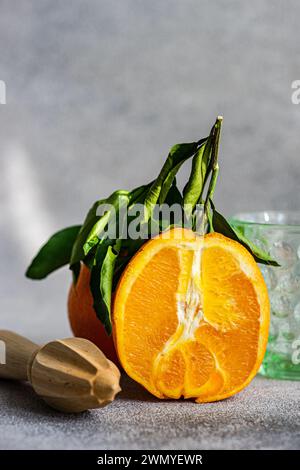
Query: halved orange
x=191 y=316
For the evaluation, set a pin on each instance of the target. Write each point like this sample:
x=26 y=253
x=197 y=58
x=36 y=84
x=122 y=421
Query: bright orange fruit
x=191 y=316
x=82 y=316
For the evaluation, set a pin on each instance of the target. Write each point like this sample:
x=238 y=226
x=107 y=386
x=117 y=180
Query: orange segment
x=169 y=374
x=200 y=364
x=144 y=329
x=228 y=293
x=191 y=316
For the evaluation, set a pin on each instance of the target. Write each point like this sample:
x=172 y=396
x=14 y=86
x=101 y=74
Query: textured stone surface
x=97 y=91
x=265 y=416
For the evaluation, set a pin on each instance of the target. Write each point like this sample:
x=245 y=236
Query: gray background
x=97 y=92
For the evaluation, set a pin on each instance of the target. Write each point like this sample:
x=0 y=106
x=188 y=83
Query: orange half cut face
x=191 y=316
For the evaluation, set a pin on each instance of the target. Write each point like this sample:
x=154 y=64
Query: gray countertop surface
x=264 y=416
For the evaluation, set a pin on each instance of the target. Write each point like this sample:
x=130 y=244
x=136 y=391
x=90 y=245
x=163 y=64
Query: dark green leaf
x=160 y=188
x=54 y=254
x=102 y=283
x=75 y=268
x=138 y=195
x=95 y=224
x=221 y=225
x=174 y=195
x=115 y=202
x=206 y=160
x=193 y=188
x=90 y=221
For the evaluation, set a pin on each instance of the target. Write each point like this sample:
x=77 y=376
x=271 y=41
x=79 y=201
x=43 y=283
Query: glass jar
x=279 y=234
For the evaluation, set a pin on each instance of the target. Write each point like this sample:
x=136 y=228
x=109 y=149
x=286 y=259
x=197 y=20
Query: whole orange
x=83 y=320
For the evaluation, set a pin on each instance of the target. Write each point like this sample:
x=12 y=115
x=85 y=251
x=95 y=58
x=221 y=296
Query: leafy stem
x=107 y=257
x=214 y=170
x=210 y=172
x=214 y=163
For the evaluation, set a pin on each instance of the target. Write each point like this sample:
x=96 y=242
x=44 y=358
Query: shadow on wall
x=22 y=202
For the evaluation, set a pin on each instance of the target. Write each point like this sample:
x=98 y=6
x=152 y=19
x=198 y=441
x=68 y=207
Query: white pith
x=188 y=306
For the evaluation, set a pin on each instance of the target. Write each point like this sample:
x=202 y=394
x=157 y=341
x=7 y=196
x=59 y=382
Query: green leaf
x=138 y=194
x=221 y=225
x=213 y=164
x=206 y=160
x=102 y=282
x=167 y=184
x=202 y=166
x=174 y=195
x=115 y=202
x=160 y=188
x=193 y=188
x=93 y=229
x=90 y=220
x=54 y=254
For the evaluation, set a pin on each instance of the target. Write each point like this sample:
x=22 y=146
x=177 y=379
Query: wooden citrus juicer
x=71 y=375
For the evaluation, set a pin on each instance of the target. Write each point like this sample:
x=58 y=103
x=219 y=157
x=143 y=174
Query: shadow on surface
x=20 y=396
x=131 y=390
